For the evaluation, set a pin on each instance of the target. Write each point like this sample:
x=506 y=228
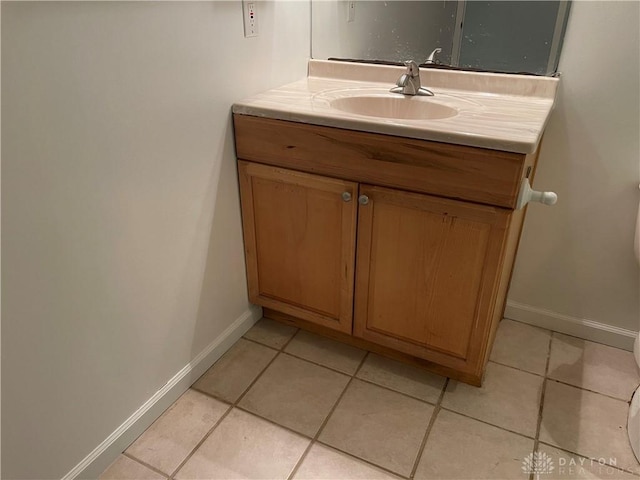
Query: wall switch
x=250 y=16
x=351 y=11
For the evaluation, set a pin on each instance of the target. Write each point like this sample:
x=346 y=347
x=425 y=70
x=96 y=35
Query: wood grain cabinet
x=367 y=239
x=299 y=233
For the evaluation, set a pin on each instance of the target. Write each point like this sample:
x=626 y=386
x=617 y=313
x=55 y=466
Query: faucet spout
x=432 y=57
x=409 y=82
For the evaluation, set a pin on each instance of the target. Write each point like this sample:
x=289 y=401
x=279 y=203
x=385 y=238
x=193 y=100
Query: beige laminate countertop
x=496 y=111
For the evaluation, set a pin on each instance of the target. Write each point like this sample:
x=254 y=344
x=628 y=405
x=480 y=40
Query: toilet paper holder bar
x=527 y=194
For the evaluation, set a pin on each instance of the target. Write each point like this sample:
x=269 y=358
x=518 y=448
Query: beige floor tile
x=521 y=346
x=462 y=448
x=233 y=373
x=172 y=437
x=586 y=423
x=271 y=333
x=245 y=446
x=324 y=463
x=123 y=468
x=295 y=393
x=567 y=466
x=509 y=398
x=380 y=426
x=593 y=366
x=402 y=377
x=325 y=351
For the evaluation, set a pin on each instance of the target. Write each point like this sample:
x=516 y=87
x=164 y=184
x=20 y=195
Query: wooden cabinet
x=391 y=244
x=299 y=233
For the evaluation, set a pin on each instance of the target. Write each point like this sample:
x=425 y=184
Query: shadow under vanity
x=396 y=235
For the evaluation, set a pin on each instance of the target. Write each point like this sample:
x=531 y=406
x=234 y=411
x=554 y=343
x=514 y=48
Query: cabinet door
x=299 y=233
x=427 y=270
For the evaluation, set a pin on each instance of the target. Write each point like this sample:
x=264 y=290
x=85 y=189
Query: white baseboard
x=105 y=453
x=577 y=327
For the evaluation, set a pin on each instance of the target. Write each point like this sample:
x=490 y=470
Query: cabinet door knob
x=346 y=196
x=363 y=199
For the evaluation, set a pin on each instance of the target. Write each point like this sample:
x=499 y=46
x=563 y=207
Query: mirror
x=500 y=36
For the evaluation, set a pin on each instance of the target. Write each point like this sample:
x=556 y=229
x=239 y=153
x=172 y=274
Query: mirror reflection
x=501 y=36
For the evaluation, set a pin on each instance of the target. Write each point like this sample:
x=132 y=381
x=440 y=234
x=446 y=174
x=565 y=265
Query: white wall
x=122 y=242
x=575 y=269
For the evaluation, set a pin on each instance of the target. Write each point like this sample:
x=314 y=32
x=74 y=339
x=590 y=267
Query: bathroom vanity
x=387 y=224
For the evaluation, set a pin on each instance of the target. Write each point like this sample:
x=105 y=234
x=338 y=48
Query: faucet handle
x=412 y=68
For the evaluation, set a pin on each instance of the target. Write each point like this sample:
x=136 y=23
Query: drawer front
x=467 y=173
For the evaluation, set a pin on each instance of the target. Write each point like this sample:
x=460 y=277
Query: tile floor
x=283 y=403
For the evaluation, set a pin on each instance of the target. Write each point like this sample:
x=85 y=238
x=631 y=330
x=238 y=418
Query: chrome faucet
x=432 y=58
x=409 y=82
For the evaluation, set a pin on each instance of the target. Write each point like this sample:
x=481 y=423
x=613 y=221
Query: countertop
x=496 y=111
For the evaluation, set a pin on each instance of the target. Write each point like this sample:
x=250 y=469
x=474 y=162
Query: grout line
x=142 y=462
x=320 y=364
x=364 y=380
x=255 y=380
x=326 y=420
x=536 y=441
x=384 y=387
x=362 y=460
x=366 y=355
x=284 y=345
x=546 y=376
x=588 y=390
x=354 y=374
x=244 y=392
x=273 y=422
x=302 y=458
x=295 y=334
x=530 y=437
x=232 y=406
x=637 y=473
x=315 y=439
x=202 y=440
x=432 y=421
x=260 y=344
x=527 y=324
x=516 y=368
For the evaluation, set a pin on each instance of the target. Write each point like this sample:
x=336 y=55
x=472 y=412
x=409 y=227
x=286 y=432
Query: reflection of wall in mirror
x=391 y=30
x=513 y=36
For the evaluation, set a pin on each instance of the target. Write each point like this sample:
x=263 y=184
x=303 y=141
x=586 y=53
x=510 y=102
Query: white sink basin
x=397 y=107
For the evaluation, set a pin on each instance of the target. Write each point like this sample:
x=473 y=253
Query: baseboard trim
x=577 y=327
x=105 y=453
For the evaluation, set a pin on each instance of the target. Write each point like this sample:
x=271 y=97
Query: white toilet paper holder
x=527 y=194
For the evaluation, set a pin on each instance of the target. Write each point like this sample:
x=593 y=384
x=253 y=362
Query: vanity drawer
x=468 y=173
